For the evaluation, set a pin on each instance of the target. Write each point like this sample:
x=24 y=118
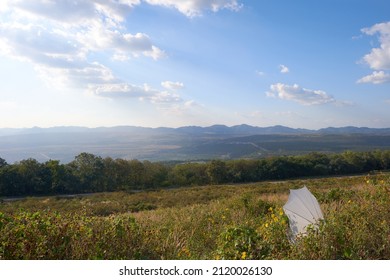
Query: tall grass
x=211 y=222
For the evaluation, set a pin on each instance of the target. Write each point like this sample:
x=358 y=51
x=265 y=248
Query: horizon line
x=184 y=126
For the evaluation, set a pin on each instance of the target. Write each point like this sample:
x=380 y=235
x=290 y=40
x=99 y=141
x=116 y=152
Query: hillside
x=231 y=222
x=183 y=143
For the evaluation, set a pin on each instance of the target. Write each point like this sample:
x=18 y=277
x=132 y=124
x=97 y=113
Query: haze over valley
x=189 y=143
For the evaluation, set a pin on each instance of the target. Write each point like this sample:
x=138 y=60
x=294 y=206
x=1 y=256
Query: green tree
x=35 y=177
x=188 y=174
x=61 y=178
x=155 y=175
x=136 y=174
x=2 y=162
x=89 y=169
x=217 y=172
x=243 y=170
x=10 y=181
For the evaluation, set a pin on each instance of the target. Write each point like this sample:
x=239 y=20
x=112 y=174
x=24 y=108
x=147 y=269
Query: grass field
x=210 y=222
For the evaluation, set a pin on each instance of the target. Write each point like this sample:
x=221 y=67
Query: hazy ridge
x=184 y=143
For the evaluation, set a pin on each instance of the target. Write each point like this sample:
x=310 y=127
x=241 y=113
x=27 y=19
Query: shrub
x=237 y=243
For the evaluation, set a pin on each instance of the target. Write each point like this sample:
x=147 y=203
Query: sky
x=302 y=64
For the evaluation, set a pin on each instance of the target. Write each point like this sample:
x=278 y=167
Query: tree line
x=90 y=173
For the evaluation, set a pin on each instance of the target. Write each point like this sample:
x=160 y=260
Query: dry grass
x=210 y=222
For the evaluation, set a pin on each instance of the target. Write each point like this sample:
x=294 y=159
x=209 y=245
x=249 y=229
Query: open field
x=242 y=221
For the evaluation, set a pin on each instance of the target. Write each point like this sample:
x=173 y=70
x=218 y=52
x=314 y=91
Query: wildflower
x=266 y=225
x=243 y=255
x=270 y=209
x=185 y=251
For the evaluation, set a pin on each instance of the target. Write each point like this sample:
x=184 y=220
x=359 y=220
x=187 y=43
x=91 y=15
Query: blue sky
x=307 y=64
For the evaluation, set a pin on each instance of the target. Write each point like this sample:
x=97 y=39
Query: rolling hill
x=184 y=143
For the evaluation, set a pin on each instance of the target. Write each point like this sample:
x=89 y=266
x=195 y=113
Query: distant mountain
x=183 y=143
x=242 y=129
x=353 y=130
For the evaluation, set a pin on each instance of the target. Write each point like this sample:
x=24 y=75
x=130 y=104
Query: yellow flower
x=243 y=255
x=266 y=225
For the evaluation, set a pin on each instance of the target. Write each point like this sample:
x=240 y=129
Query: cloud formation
x=298 y=94
x=60 y=37
x=378 y=58
x=172 y=85
x=377 y=77
x=142 y=93
x=193 y=8
x=283 y=69
x=259 y=73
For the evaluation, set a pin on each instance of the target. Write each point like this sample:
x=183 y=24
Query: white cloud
x=185 y=110
x=58 y=37
x=379 y=58
x=260 y=73
x=155 y=53
x=172 y=85
x=64 y=40
x=121 y=90
x=377 y=77
x=142 y=93
x=74 y=12
x=192 y=8
x=283 y=69
x=299 y=94
x=165 y=97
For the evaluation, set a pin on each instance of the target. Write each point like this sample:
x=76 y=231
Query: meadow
x=231 y=221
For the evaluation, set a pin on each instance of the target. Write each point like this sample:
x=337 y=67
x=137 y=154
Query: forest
x=89 y=173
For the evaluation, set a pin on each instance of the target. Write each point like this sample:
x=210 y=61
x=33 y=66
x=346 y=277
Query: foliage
x=355 y=229
x=209 y=222
x=89 y=173
x=44 y=235
x=237 y=243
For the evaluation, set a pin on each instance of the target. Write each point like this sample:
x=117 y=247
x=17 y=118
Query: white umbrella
x=302 y=210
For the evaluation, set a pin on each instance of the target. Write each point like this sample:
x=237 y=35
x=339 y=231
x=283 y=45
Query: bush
x=241 y=243
x=43 y=235
x=357 y=229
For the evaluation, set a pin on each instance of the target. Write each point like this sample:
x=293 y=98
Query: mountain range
x=242 y=129
x=184 y=143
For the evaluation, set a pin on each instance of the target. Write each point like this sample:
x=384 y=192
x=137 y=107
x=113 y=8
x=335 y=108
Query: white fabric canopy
x=302 y=210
